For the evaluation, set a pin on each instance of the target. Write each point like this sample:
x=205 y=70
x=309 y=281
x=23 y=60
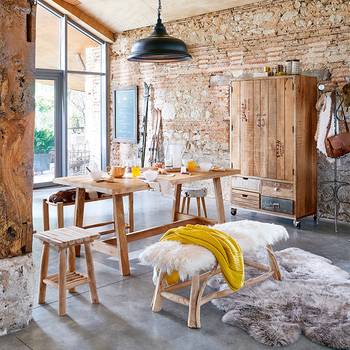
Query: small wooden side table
x=64 y=239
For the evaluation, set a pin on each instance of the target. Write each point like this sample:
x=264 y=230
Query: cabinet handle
x=275 y=205
x=244 y=195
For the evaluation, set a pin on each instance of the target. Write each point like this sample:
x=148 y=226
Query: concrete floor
x=124 y=320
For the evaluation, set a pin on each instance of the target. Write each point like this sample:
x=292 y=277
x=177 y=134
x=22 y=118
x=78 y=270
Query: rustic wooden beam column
x=16 y=127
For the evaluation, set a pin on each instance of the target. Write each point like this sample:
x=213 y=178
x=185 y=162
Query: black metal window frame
x=61 y=104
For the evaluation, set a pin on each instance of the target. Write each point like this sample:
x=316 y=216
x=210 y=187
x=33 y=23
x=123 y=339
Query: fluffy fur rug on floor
x=313 y=299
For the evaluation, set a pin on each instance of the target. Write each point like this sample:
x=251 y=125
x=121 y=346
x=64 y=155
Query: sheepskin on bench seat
x=190 y=260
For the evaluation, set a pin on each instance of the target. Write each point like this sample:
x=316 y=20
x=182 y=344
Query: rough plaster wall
x=16 y=129
x=194 y=96
x=16 y=293
x=16 y=172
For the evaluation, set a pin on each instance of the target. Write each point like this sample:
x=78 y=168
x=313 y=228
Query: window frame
x=65 y=20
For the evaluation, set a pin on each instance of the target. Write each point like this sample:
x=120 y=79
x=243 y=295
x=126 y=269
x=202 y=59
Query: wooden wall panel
x=247 y=128
x=235 y=124
x=272 y=130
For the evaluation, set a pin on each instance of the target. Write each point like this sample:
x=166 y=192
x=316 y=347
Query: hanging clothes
x=324 y=106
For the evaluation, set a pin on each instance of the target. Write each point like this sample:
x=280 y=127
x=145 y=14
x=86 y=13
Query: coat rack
x=337 y=184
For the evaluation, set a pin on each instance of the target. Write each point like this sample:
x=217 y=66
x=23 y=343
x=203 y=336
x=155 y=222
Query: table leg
x=122 y=243
x=176 y=202
x=79 y=212
x=219 y=200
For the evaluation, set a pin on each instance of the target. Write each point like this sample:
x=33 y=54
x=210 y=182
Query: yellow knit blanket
x=225 y=249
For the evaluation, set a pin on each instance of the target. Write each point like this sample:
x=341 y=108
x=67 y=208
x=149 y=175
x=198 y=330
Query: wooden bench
x=60 y=216
x=64 y=239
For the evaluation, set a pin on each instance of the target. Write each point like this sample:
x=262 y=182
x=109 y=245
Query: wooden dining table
x=118 y=188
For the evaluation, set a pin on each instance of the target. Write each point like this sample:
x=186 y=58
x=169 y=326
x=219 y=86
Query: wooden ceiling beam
x=83 y=19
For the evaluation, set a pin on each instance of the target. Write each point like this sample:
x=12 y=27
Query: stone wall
x=194 y=96
x=16 y=164
x=16 y=293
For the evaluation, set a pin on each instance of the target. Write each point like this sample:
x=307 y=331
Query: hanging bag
x=337 y=145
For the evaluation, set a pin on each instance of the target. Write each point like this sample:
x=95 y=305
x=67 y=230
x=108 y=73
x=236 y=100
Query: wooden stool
x=199 y=194
x=63 y=239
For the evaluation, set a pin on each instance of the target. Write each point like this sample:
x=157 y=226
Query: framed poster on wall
x=125 y=114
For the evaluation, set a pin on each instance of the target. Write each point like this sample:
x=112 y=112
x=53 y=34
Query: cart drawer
x=246 y=199
x=277 y=189
x=246 y=183
x=278 y=205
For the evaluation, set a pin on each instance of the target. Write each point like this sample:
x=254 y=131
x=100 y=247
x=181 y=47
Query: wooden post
x=131 y=212
x=16 y=130
x=46 y=216
x=60 y=215
x=122 y=243
x=79 y=212
x=176 y=201
x=219 y=200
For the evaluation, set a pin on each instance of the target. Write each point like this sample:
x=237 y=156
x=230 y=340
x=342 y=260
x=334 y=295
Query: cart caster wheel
x=315 y=217
x=297 y=224
x=233 y=211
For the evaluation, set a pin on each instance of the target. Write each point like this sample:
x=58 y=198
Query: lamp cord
x=159 y=8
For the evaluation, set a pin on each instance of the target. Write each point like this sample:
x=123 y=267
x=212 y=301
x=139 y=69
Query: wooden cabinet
x=273 y=122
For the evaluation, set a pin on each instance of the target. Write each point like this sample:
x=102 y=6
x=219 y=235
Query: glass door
x=48 y=128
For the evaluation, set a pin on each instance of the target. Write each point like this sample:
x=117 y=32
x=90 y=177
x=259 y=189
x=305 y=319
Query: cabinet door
x=272 y=130
x=247 y=128
x=235 y=125
x=261 y=128
x=285 y=125
x=289 y=148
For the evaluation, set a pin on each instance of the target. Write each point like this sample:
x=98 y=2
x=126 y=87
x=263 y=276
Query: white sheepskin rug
x=313 y=299
x=189 y=259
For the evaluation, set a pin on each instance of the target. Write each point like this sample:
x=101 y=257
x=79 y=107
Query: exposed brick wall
x=194 y=96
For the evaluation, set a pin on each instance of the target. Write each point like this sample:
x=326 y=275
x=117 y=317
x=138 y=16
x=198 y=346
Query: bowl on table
x=96 y=175
x=150 y=175
x=117 y=172
x=205 y=166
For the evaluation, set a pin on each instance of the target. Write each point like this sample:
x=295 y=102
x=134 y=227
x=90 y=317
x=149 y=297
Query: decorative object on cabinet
x=273 y=123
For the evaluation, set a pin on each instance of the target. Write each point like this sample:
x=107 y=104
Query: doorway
x=48 y=132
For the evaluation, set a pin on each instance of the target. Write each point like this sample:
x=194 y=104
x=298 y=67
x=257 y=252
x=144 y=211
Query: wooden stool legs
x=91 y=273
x=198 y=284
x=44 y=265
x=62 y=292
x=60 y=280
x=200 y=203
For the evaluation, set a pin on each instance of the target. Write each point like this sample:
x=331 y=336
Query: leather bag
x=338 y=145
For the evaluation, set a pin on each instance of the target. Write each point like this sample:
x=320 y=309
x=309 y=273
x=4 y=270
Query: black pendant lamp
x=159 y=47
